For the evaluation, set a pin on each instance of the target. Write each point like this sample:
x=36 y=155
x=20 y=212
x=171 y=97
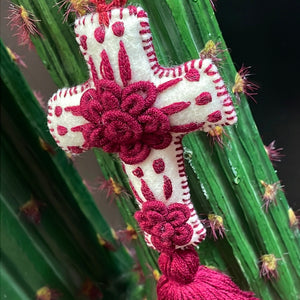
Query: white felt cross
x=135 y=107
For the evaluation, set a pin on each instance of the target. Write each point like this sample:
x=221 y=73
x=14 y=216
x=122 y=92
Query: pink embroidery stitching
x=167 y=225
x=192 y=75
x=118 y=29
x=58 y=111
x=99 y=34
x=105 y=67
x=168 y=189
x=124 y=65
x=158 y=166
x=138 y=172
x=203 y=98
x=146 y=191
x=214 y=117
x=62 y=130
x=122 y=120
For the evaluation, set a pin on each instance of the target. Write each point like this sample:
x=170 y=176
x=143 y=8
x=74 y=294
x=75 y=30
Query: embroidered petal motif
x=119 y=122
x=167 y=225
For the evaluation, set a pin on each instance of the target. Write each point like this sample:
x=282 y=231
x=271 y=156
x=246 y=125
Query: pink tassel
x=184 y=279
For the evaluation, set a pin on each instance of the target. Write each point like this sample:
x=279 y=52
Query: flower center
x=123 y=120
x=121 y=128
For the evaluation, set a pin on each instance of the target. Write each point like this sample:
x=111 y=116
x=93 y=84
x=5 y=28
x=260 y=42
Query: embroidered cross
x=134 y=107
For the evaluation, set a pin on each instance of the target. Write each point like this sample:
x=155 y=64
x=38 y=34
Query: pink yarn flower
x=123 y=121
x=166 y=224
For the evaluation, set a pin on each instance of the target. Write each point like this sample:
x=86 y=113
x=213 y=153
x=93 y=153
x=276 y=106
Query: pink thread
x=183 y=278
x=58 y=111
x=93 y=69
x=158 y=165
x=186 y=67
x=138 y=96
x=200 y=64
x=62 y=130
x=217 y=80
x=231 y=118
x=105 y=67
x=132 y=10
x=78 y=128
x=221 y=87
x=148 y=40
x=203 y=98
x=138 y=172
x=104 y=10
x=75 y=110
x=214 y=117
x=187 y=127
x=168 y=189
x=212 y=73
x=229 y=112
x=219 y=94
x=155 y=68
x=168 y=84
x=133 y=154
x=151 y=53
x=179 y=68
x=89 y=107
x=181 y=266
x=99 y=34
x=83 y=44
x=156 y=128
x=208 y=72
x=145 y=31
x=146 y=191
x=150 y=46
x=118 y=28
x=142 y=14
x=144 y=24
x=121 y=127
x=175 y=107
x=192 y=75
x=167 y=225
x=124 y=65
x=227 y=102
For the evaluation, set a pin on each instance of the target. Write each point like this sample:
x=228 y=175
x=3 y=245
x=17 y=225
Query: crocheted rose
x=123 y=121
x=166 y=224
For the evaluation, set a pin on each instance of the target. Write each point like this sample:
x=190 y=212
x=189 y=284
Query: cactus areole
x=140 y=110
